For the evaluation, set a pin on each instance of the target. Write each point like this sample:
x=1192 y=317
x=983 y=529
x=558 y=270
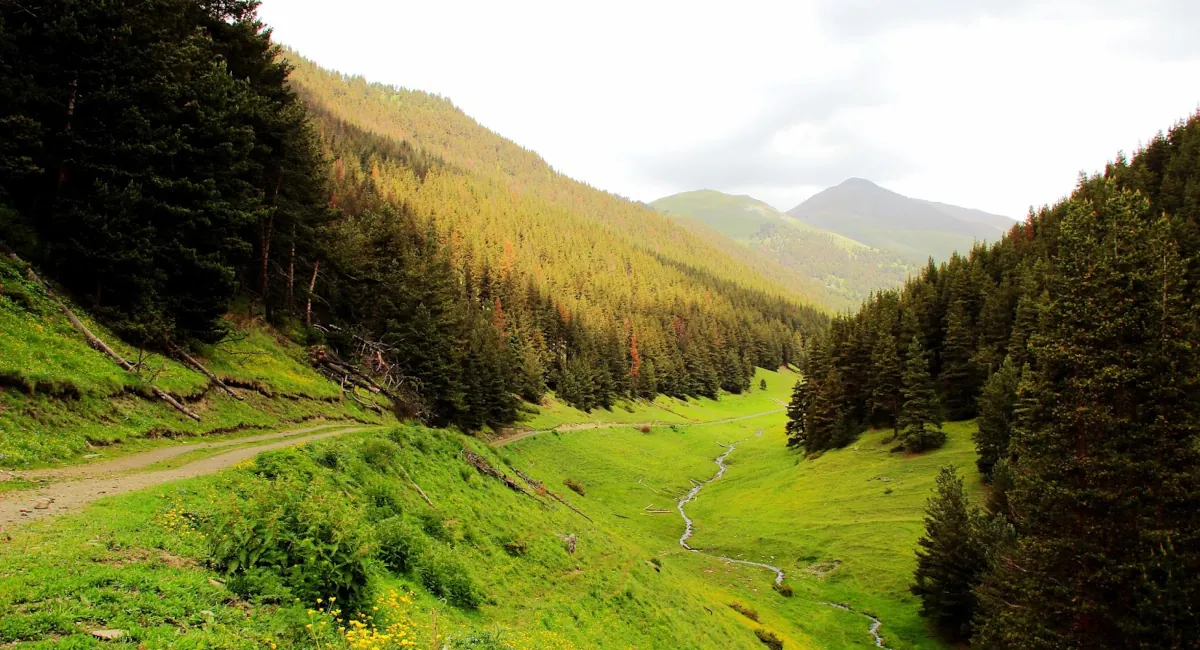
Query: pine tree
x=949 y=560
x=1107 y=470
x=920 y=419
x=958 y=374
x=827 y=422
x=997 y=404
x=798 y=412
x=887 y=374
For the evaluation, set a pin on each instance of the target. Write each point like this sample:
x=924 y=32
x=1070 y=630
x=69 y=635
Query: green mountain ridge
x=846 y=270
x=913 y=228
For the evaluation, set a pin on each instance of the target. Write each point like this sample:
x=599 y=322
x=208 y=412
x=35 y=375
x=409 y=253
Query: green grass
x=60 y=399
x=121 y=563
x=859 y=509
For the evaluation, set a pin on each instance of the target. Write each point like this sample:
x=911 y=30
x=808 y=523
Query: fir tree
x=920 y=419
x=887 y=375
x=949 y=560
x=958 y=373
x=1107 y=474
x=997 y=403
x=798 y=414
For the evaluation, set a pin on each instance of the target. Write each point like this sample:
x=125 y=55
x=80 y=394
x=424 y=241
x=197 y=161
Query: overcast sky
x=989 y=104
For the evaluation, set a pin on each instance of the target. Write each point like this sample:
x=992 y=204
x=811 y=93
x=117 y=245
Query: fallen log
x=417 y=487
x=99 y=345
x=542 y=489
x=480 y=463
x=205 y=371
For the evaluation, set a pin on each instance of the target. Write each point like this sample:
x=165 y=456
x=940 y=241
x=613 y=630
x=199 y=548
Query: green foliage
x=997 y=405
x=445 y=576
x=401 y=544
x=302 y=536
x=920 y=420
x=949 y=560
x=797 y=412
x=1108 y=413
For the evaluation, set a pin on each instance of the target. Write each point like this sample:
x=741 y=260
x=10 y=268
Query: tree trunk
x=312 y=283
x=205 y=371
x=96 y=343
x=291 y=279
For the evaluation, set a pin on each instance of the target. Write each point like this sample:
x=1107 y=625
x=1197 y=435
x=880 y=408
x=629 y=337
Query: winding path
x=509 y=436
x=86 y=483
x=779 y=576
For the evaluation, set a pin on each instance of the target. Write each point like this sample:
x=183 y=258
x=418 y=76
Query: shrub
x=382 y=500
x=480 y=641
x=744 y=611
x=401 y=544
x=784 y=590
x=575 y=486
x=434 y=526
x=380 y=453
x=769 y=639
x=445 y=577
x=645 y=428
x=762 y=384
x=305 y=535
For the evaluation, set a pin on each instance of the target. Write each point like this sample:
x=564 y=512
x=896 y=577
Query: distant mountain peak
x=917 y=229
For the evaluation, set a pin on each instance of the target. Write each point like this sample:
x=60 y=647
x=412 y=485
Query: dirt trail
x=779 y=576
x=58 y=498
x=148 y=458
x=587 y=426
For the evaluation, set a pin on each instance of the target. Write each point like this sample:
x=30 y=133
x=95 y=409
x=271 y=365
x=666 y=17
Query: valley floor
x=842 y=527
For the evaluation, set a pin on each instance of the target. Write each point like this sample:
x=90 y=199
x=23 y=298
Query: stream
x=689 y=529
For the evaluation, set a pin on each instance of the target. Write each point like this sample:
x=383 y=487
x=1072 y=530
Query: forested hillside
x=1073 y=341
x=843 y=271
x=165 y=164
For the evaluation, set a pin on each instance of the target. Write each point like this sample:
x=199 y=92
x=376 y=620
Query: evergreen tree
x=949 y=559
x=1107 y=474
x=887 y=375
x=798 y=414
x=997 y=404
x=920 y=419
x=958 y=373
x=827 y=423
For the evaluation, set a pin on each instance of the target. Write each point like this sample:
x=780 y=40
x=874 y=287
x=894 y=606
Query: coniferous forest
x=194 y=190
x=1073 y=341
x=164 y=160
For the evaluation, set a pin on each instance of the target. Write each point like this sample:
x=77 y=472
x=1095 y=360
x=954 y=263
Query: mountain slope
x=845 y=270
x=861 y=210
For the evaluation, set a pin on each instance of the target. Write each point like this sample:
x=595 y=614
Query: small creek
x=689 y=529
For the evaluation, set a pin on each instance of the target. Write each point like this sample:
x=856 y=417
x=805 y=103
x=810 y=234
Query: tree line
x=1074 y=342
x=166 y=162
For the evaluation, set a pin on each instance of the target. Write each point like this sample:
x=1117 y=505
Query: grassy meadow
x=492 y=567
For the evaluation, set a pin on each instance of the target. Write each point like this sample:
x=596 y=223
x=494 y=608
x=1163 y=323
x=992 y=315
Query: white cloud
x=985 y=104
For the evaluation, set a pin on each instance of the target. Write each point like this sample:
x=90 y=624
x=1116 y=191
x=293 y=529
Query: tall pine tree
x=1107 y=472
x=920 y=418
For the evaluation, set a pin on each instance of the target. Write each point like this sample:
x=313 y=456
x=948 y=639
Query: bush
x=383 y=500
x=434 y=526
x=645 y=428
x=305 y=535
x=480 y=641
x=400 y=544
x=769 y=639
x=744 y=611
x=575 y=486
x=784 y=590
x=380 y=453
x=445 y=577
